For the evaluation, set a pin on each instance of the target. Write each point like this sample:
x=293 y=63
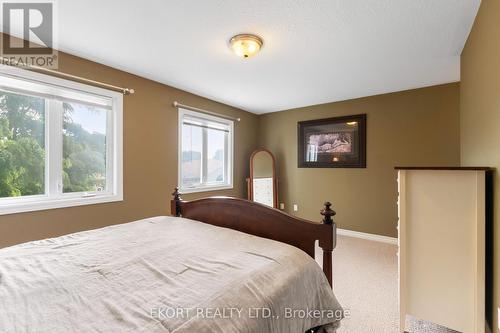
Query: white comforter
x=162 y=274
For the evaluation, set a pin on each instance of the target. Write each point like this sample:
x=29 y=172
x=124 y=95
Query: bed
x=217 y=265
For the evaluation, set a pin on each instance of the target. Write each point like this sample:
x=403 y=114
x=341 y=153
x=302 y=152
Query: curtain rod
x=8 y=62
x=177 y=105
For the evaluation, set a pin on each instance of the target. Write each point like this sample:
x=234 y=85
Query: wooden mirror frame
x=250 y=179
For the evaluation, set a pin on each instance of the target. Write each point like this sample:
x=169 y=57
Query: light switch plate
x=295 y=207
x=282 y=205
x=498 y=317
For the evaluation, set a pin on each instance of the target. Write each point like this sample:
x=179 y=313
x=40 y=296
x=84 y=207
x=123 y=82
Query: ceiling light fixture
x=246 y=45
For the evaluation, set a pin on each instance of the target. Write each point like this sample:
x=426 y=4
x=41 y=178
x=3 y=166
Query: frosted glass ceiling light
x=246 y=45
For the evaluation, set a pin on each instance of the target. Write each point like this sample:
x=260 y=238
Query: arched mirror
x=262 y=183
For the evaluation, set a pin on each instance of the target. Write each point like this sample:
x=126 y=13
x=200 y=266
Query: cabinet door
x=441 y=229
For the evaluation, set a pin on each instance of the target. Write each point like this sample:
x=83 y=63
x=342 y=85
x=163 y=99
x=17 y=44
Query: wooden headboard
x=259 y=220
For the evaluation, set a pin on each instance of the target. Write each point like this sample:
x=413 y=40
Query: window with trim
x=205 y=152
x=60 y=143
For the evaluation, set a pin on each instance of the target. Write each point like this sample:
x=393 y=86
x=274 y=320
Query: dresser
x=443 y=214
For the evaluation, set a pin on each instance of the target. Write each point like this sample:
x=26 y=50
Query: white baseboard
x=363 y=235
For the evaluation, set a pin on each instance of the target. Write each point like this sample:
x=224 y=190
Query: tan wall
x=150 y=158
x=417 y=127
x=480 y=112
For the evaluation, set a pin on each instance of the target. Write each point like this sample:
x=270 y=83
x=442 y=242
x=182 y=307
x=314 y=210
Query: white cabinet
x=442 y=246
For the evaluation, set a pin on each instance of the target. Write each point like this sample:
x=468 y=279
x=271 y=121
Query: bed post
x=327 y=212
x=175 y=204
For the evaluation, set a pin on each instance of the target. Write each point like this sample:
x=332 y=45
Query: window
x=205 y=152
x=60 y=143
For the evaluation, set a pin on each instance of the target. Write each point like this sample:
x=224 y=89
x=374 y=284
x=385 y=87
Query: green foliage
x=7 y=189
x=22 y=136
x=27 y=166
x=22 y=149
x=25 y=115
x=84 y=163
x=4 y=129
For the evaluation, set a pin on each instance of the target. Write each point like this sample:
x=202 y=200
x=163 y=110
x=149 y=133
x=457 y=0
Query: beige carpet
x=365 y=278
x=365 y=275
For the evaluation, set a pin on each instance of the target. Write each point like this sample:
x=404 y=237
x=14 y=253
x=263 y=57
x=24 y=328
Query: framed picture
x=338 y=142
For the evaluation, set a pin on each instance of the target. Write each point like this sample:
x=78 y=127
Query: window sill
x=13 y=207
x=188 y=190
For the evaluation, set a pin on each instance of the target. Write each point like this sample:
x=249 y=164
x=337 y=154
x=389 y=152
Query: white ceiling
x=315 y=51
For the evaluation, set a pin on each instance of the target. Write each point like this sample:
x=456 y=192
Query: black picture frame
x=340 y=142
